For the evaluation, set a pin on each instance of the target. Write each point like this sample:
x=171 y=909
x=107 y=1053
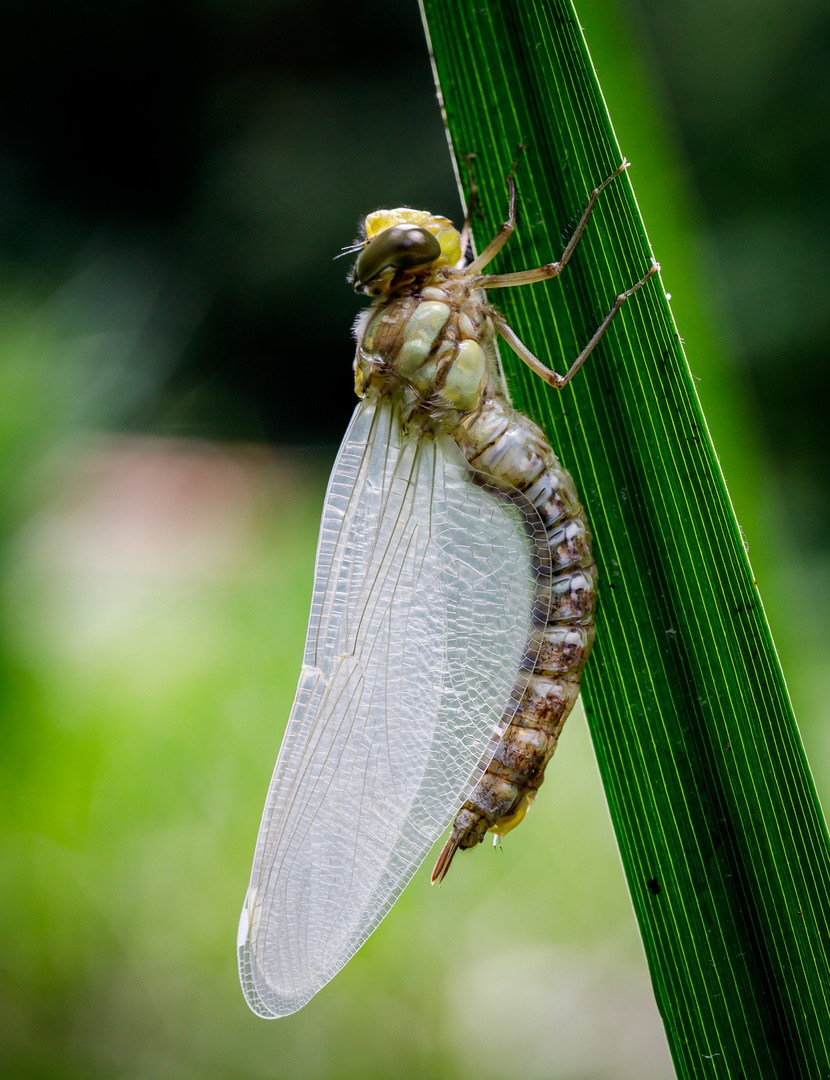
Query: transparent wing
x=419 y=618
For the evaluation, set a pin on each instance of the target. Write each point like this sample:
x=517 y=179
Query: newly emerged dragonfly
x=451 y=615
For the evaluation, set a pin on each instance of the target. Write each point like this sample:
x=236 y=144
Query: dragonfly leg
x=506 y=228
x=550 y=376
x=549 y=270
x=464 y=239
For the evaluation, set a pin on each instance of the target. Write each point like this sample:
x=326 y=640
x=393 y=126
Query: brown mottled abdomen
x=512 y=453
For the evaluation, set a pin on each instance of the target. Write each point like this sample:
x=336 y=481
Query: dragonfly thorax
x=430 y=348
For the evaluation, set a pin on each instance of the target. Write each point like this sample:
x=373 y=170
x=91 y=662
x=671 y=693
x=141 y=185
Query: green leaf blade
x=720 y=830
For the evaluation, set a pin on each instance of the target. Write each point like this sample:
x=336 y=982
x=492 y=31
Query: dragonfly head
x=403 y=239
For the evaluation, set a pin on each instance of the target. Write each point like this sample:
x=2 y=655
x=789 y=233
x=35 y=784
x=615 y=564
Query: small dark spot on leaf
x=653 y=887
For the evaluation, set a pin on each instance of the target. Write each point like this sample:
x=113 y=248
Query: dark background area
x=221 y=152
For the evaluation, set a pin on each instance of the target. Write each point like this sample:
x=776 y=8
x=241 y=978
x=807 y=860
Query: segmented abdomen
x=512 y=453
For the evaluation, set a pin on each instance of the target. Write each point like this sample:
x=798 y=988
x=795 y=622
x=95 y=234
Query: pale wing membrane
x=420 y=614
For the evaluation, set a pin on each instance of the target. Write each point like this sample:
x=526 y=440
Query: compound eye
x=406 y=247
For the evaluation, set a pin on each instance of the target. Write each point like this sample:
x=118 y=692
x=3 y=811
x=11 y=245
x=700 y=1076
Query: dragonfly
x=452 y=609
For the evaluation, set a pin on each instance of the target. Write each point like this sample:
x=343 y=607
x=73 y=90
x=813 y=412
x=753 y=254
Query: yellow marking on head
x=440 y=227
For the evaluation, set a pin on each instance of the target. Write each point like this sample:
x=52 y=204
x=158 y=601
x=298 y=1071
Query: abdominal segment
x=510 y=454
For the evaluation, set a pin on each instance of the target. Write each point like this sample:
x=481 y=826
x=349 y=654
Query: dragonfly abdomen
x=514 y=459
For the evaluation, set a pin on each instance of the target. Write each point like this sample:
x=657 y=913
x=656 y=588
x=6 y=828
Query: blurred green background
x=174 y=376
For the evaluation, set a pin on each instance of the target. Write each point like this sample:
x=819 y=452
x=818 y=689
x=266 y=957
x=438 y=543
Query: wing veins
x=412 y=560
